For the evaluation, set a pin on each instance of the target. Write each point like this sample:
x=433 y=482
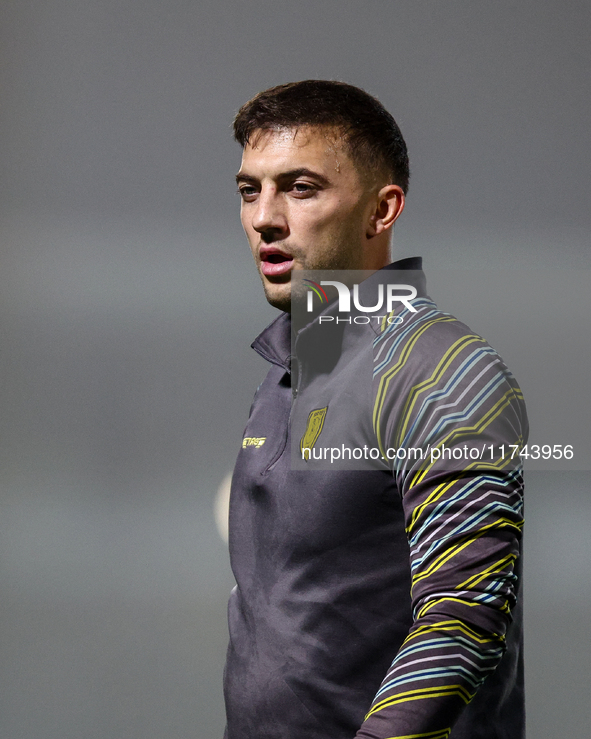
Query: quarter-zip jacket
x=379 y=600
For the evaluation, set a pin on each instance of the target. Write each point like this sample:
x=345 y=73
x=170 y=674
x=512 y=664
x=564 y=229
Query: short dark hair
x=371 y=134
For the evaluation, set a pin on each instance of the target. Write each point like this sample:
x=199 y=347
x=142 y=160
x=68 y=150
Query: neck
x=376 y=253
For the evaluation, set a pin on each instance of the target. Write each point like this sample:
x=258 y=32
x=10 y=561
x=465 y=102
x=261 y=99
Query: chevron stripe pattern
x=437 y=384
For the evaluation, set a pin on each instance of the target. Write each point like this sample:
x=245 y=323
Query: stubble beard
x=337 y=258
x=282 y=299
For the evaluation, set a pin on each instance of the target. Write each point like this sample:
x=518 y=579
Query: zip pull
x=294 y=372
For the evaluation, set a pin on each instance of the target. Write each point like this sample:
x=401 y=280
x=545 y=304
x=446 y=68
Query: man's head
x=323 y=178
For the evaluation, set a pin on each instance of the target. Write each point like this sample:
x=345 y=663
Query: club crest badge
x=312 y=432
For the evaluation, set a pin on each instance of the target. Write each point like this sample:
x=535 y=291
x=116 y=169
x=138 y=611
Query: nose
x=269 y=218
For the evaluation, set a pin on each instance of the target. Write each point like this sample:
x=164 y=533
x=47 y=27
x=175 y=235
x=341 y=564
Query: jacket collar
x=274 y=343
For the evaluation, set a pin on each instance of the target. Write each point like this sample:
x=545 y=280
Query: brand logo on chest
x=255 y=441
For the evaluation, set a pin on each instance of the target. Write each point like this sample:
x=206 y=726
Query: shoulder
x=428 y=363
x=425 y=341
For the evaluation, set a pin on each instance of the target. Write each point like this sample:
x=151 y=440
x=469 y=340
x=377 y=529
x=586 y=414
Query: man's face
x=304 y=206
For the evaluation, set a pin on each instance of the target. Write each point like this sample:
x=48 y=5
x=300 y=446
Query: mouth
x=275 y=262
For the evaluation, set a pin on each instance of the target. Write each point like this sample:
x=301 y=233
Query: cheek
x=323 y=223
x=343 y=223
x=251 y=234
x=244 y=220
x=345 y=211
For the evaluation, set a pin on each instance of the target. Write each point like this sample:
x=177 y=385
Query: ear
x=389 y=205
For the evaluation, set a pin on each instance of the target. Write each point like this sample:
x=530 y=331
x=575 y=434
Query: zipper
x=281 y=450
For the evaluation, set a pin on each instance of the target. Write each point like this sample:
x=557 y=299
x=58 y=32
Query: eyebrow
x=291 y=174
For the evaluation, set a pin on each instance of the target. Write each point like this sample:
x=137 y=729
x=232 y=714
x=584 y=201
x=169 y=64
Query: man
x=337 y=627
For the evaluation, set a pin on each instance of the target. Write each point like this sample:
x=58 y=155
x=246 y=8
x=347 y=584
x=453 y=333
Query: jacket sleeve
x=444 y=393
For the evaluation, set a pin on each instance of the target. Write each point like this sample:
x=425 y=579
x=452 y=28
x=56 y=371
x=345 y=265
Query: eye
x=303 y=189
x=247 y=192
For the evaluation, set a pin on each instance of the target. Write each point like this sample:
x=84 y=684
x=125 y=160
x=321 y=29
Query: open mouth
x=277 y=258
x=275 y=262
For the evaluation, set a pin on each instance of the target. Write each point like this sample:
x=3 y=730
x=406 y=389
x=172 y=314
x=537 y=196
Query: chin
x=281 y=303
x=279 y=299
x=278 y=294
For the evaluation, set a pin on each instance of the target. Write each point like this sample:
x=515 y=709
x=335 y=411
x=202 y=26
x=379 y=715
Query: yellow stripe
x=441 y=489
x=387 y=376
x=385 y=379
x=384 y=320
x=444 y=363
x=500 y=523
x=475 y=579
x=448 y=554
x=435 y=495
x=418 y=695
x=453 y=625
x=476 y=465
x=439 y=734
x=432 y=603
x=476 y=429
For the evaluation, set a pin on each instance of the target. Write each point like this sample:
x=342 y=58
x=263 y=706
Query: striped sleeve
x=441 y=390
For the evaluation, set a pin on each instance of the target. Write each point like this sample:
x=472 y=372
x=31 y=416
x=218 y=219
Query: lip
x=272 y=268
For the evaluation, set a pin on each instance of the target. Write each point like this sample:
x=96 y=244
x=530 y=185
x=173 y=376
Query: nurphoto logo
x=344 y=295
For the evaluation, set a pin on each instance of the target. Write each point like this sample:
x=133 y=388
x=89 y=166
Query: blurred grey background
x=128 y=302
